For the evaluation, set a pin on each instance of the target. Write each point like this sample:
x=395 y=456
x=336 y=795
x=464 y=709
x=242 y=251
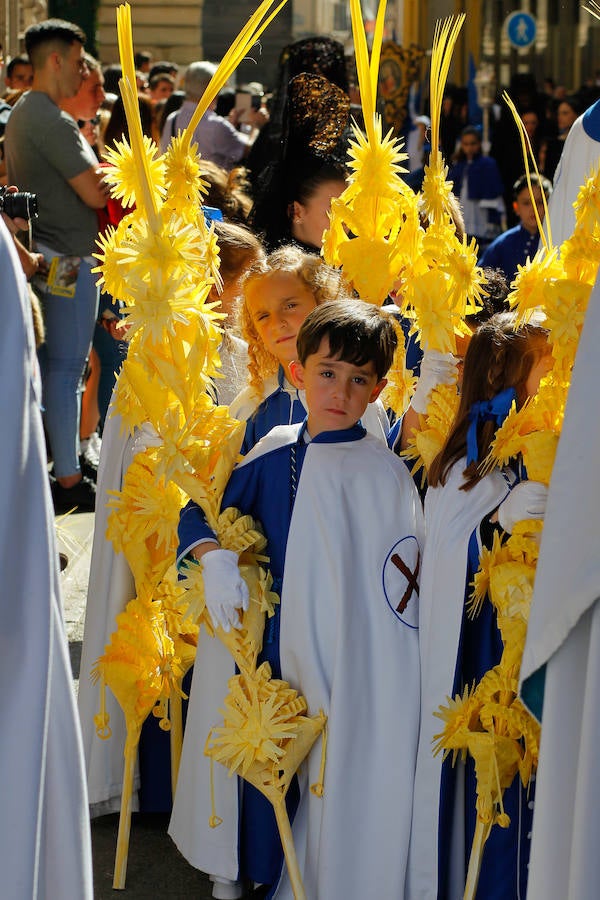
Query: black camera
x=19 y=204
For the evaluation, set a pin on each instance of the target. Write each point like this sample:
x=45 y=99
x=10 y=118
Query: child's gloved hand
x=225 y=591
x=527 y=500
x=436 y=368
x=145 y=437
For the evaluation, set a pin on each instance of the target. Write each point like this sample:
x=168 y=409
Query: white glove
x=527 y=500
x=436 y=368
x=145 y=436
x=225 y=591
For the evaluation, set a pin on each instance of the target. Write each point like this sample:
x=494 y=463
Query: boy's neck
x=313 y=430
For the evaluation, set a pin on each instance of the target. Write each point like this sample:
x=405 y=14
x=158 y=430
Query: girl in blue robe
x=463 y=509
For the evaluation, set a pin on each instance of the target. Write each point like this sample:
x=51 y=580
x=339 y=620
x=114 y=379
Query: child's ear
x=297 y=374
x=516 y=206
x=296 y=210
x=377 y=390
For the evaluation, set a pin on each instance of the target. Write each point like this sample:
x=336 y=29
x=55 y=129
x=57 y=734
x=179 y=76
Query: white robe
x=564 y=635
x=379 y=506
x=208 y=849
x=451 y=515
x=349 y=652
x=580 y=155
x=110 y=588
x=45 y=847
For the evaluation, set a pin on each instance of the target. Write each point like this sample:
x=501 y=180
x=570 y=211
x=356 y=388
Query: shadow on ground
x=155 y=869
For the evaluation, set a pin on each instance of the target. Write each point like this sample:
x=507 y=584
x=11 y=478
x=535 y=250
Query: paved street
x=155 y=868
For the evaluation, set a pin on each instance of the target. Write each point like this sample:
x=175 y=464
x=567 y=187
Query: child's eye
x=358 y=379
x=327 y=373
x=261 y=317
x=291 y=305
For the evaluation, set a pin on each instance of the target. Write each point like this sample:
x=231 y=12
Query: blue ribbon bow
x=496 y=410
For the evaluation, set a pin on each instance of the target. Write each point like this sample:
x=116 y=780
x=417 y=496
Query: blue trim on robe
x=506 y=854
x=279 y=408
x=591 y=121
x=263 y=489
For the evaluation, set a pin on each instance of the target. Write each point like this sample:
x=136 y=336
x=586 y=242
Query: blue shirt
x=279 y=408
x=510 y=250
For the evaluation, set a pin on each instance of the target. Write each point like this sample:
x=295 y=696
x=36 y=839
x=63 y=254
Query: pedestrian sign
x=521 y=29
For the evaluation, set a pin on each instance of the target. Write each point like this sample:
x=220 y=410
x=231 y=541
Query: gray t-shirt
x=43 y=150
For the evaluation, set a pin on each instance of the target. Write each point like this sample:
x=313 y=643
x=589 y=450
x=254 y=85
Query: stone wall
x=188 y=30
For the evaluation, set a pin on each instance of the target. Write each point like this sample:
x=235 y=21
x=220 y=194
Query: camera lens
x=19 y=205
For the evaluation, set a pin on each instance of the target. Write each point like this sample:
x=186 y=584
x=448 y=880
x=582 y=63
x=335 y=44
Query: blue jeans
x=69 y=325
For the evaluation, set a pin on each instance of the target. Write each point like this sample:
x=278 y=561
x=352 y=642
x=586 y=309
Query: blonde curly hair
x=324 y=282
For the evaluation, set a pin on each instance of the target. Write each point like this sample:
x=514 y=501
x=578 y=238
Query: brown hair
x=227 y=191
x=499 y=356
x=117 y=127
x=324 y=282
x=238 y=248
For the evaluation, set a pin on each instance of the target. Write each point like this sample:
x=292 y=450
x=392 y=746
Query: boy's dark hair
x=56 y=31
x=142 y=57
x=357 y=332
x=21 y=60
x=536 y=181
x=473 y=130
x=163 y=67
x=112 y=73
x=494 y=300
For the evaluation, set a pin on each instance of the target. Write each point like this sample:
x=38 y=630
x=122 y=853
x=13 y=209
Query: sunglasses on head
x=82 y=122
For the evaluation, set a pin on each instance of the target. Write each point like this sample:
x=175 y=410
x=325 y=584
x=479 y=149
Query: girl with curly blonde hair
x=279 y=291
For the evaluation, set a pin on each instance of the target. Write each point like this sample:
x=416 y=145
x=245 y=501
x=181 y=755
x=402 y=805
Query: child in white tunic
x=347 y=548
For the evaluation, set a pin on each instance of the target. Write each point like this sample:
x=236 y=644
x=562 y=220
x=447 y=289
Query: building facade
x=566 y=48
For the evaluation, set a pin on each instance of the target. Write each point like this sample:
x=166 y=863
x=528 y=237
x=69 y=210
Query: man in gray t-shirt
x=46 y=155
x=44 y=150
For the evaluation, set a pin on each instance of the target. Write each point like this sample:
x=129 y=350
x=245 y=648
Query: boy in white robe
x=345 y=544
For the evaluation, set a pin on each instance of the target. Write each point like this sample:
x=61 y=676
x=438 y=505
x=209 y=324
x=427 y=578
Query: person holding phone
x=217 y=138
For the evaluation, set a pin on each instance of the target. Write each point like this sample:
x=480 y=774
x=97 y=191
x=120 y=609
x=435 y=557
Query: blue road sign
x=521 y=28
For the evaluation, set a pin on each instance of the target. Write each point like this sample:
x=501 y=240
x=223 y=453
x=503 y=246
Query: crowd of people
x=373 y=625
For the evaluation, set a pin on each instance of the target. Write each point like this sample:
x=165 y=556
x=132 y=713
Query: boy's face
x=337 y=392
x=470 y=145
x=21 y=78
x=162 y=90
x=525 y=209
x=278 y=305
x=531 y=122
